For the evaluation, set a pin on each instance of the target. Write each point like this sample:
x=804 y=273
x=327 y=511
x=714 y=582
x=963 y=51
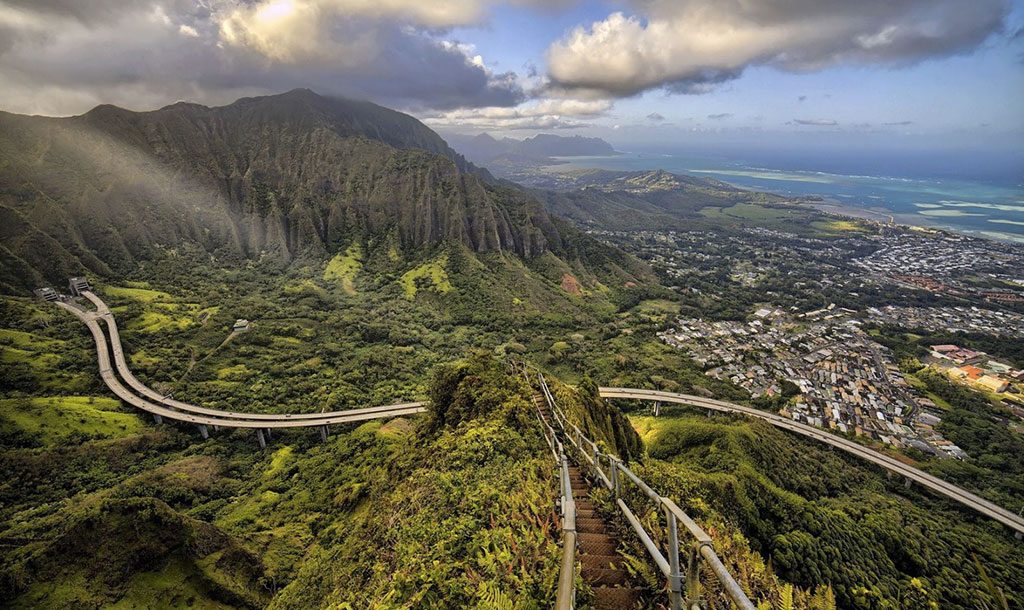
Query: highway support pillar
x=323 y=433
x=269 y=438
x=216 y=428
x=657 y=408
x=158 y=419
x=204 y=432
x=710 y=412
x=261 y=439
x=907 y=482
x=1018 y=535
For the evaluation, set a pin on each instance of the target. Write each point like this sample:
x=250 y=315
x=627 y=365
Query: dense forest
x=79 y=468
x=820 y=517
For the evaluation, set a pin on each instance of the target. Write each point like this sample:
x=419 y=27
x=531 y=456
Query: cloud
x=64 y=56
x=801 y=98
x=816 y=122
x=720 y=116
x=551 y=113
x=657 y=117
x=898 y=124
x=690 y=46
x=292 y=30
x=90 y=11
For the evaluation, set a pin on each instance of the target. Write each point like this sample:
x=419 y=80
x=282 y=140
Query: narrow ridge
x=602 y=568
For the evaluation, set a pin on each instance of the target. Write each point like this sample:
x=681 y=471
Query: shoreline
x=908 y=221
x=830 y=203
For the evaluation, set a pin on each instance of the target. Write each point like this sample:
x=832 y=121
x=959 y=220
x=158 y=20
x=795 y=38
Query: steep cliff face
x=291 y=175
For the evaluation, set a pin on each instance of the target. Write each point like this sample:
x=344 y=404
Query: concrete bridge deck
x=933 y=483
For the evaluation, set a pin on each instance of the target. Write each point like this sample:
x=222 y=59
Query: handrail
x=668 y=563
x=565 y=596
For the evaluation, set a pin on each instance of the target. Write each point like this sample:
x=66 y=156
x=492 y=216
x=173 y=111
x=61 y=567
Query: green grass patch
x=836 y=227
x=38 y=362
x=155 y=322
x=237 y=372
x=748 y=211
x=344 y=267
x=142 y=359
x=285 y=341
x=143 y=295
x=53 y=419
x=435 y=271
x=279 y=461
x=177 y=585
x=23 y=339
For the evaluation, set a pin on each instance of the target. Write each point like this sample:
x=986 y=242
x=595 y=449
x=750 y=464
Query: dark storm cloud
x=689 y=46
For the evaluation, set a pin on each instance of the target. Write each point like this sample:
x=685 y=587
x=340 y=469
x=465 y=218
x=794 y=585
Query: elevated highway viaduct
x=202 y=417
x=933 y=483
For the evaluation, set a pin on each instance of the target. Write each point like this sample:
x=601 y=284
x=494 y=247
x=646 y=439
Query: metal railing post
x=616 y=485
x=693 y=578
x=675 y=596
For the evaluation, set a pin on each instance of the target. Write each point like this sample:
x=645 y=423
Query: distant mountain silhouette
x=484 y=148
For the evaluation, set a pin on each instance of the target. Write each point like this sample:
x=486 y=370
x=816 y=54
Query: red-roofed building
x=971 y=372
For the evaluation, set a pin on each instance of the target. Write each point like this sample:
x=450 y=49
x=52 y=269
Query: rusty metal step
x=597 y=577
x=614 y=562
x=596 y=544
x=616 y=598
x=590 y=525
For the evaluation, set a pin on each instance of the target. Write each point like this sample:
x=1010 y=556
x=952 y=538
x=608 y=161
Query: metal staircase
x=586 y=529
x=601 y=565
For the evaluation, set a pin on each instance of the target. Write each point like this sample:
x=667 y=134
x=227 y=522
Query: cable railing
x=683 y=589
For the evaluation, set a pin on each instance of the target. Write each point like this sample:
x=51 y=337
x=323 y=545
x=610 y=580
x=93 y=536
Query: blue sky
x=971 y=98
x=871 y=73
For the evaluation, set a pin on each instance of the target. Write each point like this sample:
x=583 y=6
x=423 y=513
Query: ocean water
x=976 y=196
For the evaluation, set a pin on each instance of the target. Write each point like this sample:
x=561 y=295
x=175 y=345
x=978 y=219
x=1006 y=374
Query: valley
x=296 y=259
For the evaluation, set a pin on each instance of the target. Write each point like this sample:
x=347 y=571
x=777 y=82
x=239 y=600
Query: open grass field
x=143 y=295
x=54 y=419
x=840 y=227
x=155 y=321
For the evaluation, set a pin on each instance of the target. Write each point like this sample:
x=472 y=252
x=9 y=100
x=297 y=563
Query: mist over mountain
x=288 y=176
x=484 y=149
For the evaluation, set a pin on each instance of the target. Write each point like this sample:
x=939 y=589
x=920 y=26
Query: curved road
x=981 y=505
x=201 y=416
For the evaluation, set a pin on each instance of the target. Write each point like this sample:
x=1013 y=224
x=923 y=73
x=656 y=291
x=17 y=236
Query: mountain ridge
x=484 y=149
x=289 y=176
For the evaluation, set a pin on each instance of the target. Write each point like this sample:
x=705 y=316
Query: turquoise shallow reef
x=990 y=206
